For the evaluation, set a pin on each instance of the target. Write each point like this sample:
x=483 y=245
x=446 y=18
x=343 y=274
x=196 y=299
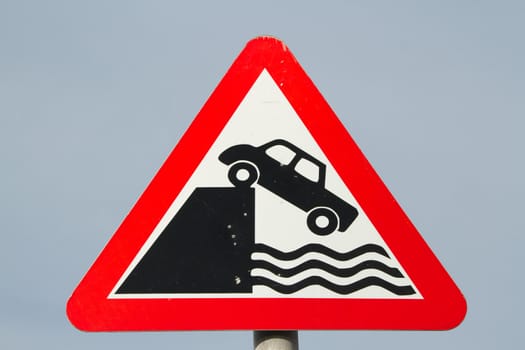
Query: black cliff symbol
x=205 y=248
x=294 y=175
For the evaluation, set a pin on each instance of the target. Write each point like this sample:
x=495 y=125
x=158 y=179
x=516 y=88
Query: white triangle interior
x=264 y=115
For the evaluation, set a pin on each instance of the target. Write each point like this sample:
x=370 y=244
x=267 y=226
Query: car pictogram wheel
x=242 y=174
x=322 y=221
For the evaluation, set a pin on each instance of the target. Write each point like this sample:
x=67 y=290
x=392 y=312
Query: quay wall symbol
x=209 y=245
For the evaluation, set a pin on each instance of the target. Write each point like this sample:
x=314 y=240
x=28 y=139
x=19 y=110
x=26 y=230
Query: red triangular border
x=442 y=306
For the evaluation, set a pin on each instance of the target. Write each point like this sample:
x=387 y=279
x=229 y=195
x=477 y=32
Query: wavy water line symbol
x=359 y=275
x=321 y=265
x=319 y=248
x=339 y=264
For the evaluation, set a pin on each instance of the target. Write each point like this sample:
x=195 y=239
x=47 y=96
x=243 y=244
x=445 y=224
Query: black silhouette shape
x=285 y=179
x=371 y=265
x=205 y=248
x=208 y=245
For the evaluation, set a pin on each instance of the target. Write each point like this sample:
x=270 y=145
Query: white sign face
x=318 y=262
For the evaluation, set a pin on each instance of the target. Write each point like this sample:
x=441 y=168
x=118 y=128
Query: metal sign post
x=275 y=340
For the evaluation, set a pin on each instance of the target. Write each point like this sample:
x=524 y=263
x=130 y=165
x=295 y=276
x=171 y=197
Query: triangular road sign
x=266 y=215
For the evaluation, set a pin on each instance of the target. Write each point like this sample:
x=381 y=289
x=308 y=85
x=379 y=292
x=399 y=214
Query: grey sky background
x=95 y=94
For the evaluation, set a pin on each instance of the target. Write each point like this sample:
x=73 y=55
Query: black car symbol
x=293 y=175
